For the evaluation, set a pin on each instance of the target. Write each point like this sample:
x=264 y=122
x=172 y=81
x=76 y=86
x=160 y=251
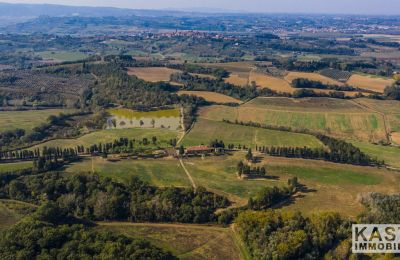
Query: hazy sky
x=282 y=6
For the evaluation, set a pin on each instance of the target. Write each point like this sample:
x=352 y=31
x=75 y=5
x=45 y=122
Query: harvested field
x=153 y=74
x=311 y=76
x=369 y=82
x=263 y=80
x=238 y=80
x=211 y=96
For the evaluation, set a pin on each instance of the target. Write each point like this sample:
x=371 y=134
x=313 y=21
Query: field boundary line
x=187 y=173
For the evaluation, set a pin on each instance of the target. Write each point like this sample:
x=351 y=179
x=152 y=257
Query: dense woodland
x=51 y=233
x=94 y=198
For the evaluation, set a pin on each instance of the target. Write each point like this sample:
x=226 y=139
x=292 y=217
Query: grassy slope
x=339 y=118
x=6 y=167
x=184 y=241
x=389 y=154
x=336 y=186
x=206 y=130
x=103 y=136
x=27 y=119
x=157 y=172
x=12 y=211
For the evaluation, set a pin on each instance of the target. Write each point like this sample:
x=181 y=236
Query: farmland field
x=211 y=96
x=389 y=154
x=27 y=119
x=7 y=167
x=205 y=131
x=340 y=118
x=104 y=136
x=159 y=172
x=368 y=82
x=271 y=82
x=62 y=55
x=331 y=186
x=152 y=74
x=184 y=241
x=311 y=76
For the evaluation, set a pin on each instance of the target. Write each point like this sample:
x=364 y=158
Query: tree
x=249 y=155
x=181 y=150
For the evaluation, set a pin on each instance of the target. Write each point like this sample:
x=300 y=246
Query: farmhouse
x=197 y=150
x=201 y=149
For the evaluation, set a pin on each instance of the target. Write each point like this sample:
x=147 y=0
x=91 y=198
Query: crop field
x=27 y=119
x=271 y=82
x=184 y=241
x=62 y=55
x=160 y=172
x=340 y=118
x=368 y=82
x=240 y=71
x=152 y=74
x=335 y=74
x=330 y=186
x=238 y=80
x=8 y=167
x=390 y=109
x=104 y=136
x=211 y=96
x=205 y=131
x=311 y=76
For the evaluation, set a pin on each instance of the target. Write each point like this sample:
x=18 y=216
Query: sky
x=386 y=7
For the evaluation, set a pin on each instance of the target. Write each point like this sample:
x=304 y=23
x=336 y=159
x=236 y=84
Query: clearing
x=186 y=241
x=152 y=74
x=27 y=119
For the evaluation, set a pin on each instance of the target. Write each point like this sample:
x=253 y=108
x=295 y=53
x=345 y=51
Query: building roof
x=198 y=148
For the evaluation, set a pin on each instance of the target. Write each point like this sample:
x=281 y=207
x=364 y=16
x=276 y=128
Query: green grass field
x=184 y=241
x=27 y=119
x=156 y=172
x=205 y=131
x=6 y=167
x=104 y=136
x=62 y=55
x=390 y=154
x=336 y=118
x=330 y=186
